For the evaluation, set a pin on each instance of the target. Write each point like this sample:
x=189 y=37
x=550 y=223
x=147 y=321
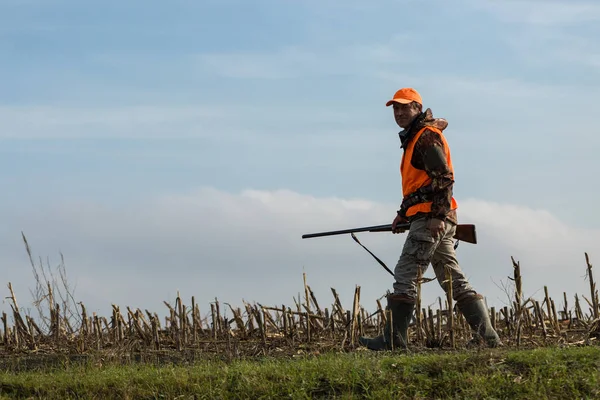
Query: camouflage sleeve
x=429 y=155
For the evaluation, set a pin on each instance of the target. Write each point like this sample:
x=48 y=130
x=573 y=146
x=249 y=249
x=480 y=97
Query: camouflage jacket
x=429 y=155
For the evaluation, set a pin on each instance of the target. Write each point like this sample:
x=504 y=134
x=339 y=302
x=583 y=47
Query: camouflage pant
x=421 y=249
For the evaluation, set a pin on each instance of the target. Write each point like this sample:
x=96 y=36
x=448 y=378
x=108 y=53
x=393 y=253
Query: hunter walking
x=428 y=204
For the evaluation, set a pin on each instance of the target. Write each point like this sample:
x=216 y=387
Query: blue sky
x=110 y=111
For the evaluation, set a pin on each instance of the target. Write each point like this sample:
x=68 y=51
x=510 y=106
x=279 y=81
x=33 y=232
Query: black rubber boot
x=401 y=316
x=477 y=316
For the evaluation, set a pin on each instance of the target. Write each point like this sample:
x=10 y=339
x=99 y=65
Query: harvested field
x=306 y=326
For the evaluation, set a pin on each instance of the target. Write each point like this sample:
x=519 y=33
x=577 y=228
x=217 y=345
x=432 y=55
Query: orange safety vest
x=413 y=178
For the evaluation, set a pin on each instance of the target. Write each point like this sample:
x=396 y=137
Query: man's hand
x=436 y=227
x=398 y=220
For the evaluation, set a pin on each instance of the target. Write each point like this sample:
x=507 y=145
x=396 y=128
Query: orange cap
x=405 y=96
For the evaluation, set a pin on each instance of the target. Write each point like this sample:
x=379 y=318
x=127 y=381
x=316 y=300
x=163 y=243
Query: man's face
x=405 y=113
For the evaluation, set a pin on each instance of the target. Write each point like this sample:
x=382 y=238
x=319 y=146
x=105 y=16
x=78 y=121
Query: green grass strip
x=545 y=373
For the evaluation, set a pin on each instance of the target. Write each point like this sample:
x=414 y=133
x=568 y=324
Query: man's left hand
x=436 y=227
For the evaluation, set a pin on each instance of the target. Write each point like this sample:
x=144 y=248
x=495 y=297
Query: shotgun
x=464 y=232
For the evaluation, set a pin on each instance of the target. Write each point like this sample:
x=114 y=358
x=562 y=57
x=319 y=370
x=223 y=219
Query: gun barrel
x=464 y=232
x=375 y=228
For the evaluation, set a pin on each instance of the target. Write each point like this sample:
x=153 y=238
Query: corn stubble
x=65 y=327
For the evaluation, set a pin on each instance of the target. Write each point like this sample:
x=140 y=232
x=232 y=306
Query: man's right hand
x=398 y=220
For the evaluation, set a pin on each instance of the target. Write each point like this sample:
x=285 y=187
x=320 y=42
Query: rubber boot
x=401 y=315
x=477 y=316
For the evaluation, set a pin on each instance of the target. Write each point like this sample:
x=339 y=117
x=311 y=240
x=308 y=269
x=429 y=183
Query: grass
x=541 y=373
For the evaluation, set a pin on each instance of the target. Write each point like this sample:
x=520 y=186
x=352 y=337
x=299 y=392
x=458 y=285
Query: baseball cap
x=405 y=96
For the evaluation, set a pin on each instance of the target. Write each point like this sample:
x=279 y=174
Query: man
x=429 y=206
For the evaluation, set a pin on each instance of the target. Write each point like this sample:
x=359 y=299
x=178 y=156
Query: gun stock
x=464 y=232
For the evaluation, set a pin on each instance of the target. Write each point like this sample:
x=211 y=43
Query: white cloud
x=248 y=246
x=542 y=12
x=131 y=121
x=491 y=90
x=168 y=121
x=549 y=33
x=293 y=62
x=490 y=101
x=553 y=47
